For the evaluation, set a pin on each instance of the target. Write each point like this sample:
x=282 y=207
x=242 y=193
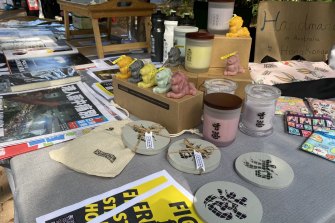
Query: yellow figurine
x=123 y=62
x=148 y=73
x=236 y=29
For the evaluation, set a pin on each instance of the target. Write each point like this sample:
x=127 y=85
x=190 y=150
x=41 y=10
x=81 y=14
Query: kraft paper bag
x=100 y=152
x=286 y=29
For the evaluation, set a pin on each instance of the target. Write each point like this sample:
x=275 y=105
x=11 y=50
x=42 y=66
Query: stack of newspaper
x=42 y=98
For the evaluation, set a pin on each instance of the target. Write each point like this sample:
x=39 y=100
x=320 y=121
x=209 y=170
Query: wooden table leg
x=67 y=24
x=97 y=37
x=147 y=23
x=109 y=27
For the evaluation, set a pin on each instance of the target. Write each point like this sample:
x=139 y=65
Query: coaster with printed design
x=223 y=202
x=145 y=137
x=264 y=170
x=182 y=157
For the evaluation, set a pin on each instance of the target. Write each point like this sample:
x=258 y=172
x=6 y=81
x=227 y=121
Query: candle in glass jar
x=258 y=117
x=259 y=109
x=179 y=37
x=221 y=116
x=219 y=14
x=198 y=51
x=220 y=85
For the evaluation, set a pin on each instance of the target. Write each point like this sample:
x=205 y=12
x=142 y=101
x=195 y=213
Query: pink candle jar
x=221 y=117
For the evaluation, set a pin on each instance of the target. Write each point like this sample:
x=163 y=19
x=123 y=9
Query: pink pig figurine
x=180 y=86
x=233 y=66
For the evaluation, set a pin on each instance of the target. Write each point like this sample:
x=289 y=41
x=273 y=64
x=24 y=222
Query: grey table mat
x=43 y=185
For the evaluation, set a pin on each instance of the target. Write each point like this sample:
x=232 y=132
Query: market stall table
x=43 y=185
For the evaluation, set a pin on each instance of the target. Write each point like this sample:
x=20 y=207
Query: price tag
x=149 y=141
x=199 y=161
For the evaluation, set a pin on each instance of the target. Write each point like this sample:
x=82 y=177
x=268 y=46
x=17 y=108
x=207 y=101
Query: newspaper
x=35 y=119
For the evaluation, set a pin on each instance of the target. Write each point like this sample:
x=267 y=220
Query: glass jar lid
x=223 y=101
x=199 y=36
x=262 y=92
x=181 y=30
x=220 y=85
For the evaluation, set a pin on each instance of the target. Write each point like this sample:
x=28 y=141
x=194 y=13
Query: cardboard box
x=223 y=45
x=174 y=114
x=217 y=73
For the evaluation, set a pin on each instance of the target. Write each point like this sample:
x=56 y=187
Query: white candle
x=259 y=109
x=258 y=117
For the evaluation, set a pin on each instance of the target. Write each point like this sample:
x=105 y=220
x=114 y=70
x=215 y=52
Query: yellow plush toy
x=236 y=29
x=148 y=73
x=123 y=62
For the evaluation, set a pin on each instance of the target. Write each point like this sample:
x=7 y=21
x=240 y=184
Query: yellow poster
x=169 y=203
x=93 y=207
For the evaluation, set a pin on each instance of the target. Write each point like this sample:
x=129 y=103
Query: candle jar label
x=221 y=132
x=258 y=118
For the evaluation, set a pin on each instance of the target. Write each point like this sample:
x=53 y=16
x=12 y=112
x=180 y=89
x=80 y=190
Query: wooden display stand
x=112 y=8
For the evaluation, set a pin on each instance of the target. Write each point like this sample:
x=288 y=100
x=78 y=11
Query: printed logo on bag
x=226 y=206
x=108 y=156
x=263 y=168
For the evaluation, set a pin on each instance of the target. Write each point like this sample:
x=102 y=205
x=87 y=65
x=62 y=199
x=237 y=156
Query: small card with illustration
x=322 y=107
x=321 y=143
x=293 y=104
x=305 y=124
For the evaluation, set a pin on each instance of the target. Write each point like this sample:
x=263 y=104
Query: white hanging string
x=120 y=108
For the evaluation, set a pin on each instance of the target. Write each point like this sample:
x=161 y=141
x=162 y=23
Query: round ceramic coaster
x=145 y=137
x=181 y=155
x=222 y=201
x=264 y=170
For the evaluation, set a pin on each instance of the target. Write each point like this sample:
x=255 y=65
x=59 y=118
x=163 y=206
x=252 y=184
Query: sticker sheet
x=293 y=104
x=322 y=107
x=321 y=144
x=304 y=124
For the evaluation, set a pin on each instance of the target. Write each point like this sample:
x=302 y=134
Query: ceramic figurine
x=180 y=86
x=236 y=29
x=148 y=73
x=174 y=58
x=134 y=69
x=123 y=62
x=233 y=66
x=163 y=79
